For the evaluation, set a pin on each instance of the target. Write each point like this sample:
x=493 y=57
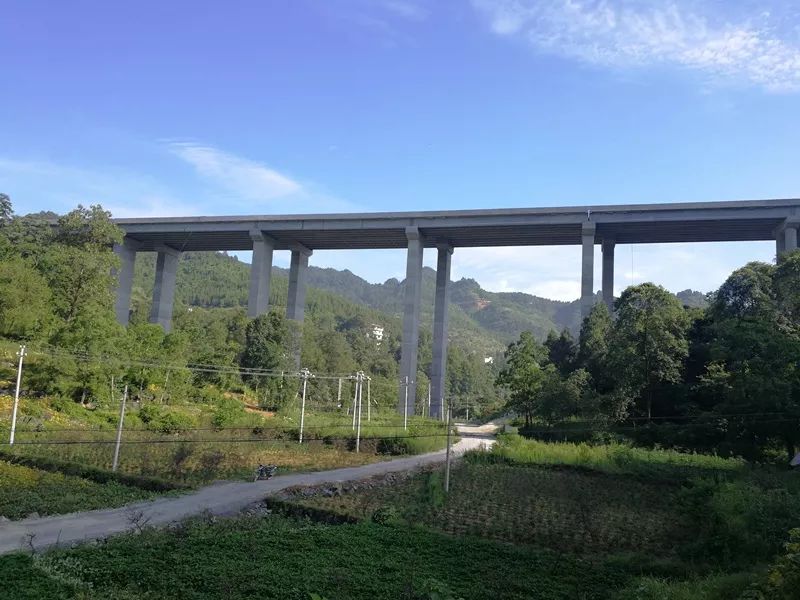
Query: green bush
x=386 y=515
x=162 y=420
x=737 y=522
x=227 y=413
x=783 y=579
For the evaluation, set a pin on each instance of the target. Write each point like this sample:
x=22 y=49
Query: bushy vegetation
x=724 y=379
x=613 y=458
x=24 y=490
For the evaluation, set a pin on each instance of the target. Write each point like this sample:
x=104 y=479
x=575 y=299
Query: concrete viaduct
x=739 y=221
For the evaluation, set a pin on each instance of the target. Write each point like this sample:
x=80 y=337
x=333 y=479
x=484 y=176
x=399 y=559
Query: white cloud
x=36 y=185
x=245 y=178
x=407 y=10
x=639 y=33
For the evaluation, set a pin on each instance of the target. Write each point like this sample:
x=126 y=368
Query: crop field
x=565 y=510
x=24 y=490
x=289 y=559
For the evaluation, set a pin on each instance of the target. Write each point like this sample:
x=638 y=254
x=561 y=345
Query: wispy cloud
x=756 y=48
x=245 y=178
x=405 y=9
x=36 y=185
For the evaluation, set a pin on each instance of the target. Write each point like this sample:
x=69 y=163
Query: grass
x=711 y=587
x=617 y=459
x=183 y=444
x=290 y=559
x=24 y=490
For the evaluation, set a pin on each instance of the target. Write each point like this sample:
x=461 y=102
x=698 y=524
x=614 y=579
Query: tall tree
x=593 y=346
x=648 y=342
x=6 y=210
x=524 y=375
x=562 y=351
x=755 y=354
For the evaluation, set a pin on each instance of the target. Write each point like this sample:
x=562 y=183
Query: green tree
x=755 y=355
x=593 y=346
x=524 y=375
x=562 y=351
x=269 y=347
x=6 y=210
x=648 y=342
x=24 y=300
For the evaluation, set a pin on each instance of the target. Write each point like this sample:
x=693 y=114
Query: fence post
x=21 y=355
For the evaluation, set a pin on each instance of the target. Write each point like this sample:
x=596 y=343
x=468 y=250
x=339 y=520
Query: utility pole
x=447 y=455
x=339 y=394
x=429 y=399
x=369 y=401
x=119 y=429
x=405 y=408
x=21 y=355
x=305 y=374
x=355 y=399
x=359 y=395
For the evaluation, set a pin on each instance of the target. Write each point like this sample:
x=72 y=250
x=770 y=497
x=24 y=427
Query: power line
x=221 y=441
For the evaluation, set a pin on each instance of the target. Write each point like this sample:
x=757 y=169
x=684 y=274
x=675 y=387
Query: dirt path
x=221 y=499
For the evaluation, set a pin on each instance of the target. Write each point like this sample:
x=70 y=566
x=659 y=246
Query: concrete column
x=126 y=251
x=440 y=321
x=780 y=244
x=260 y=274
x=608 y=274
x=298 y=271
x=164 y=287
x=413 y=298
x=790 y=239
x=587 y=266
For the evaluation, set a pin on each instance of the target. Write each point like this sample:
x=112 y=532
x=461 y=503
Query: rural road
x=221 y=499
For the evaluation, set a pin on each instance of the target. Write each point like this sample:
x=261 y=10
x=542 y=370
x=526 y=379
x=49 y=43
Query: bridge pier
x=260 y=274
x=298 y=271
x=164 y=287
x=411 y=310
x=786 y=236
x=440 y=322
x=126 y=251
x=587 y=268
x=608 y=273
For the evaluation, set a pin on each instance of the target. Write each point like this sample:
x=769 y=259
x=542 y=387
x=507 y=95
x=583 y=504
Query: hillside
x=479 y=318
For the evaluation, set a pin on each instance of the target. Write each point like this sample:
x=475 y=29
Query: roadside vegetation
x=25 y=490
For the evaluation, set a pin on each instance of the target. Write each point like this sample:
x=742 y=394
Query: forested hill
x=217 y=280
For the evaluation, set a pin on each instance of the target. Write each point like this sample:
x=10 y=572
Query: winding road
x=224 y=498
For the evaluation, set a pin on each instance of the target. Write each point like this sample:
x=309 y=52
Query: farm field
x=506 y=530
x=563 y=510
x=282 y=558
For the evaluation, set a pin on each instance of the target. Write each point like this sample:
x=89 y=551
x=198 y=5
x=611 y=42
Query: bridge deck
x=625 y=224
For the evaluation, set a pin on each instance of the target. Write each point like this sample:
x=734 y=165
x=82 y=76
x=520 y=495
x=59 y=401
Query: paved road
x=222 y=499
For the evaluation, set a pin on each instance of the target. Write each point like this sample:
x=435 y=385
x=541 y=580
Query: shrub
x=737 y=522
x=227 y=413
x=386 y=515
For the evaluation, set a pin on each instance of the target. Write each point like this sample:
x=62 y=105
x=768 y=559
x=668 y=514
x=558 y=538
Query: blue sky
x=259 y=107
